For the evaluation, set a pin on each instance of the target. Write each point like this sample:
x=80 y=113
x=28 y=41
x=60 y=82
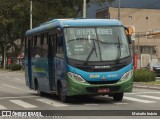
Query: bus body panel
x=60 y=74
x=98 y=76
x=51 y=74
x=40 y=73
x=78 y=88
x=75 y=88
x=60 y=69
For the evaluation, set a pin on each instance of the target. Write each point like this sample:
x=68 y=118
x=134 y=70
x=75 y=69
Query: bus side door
x=51 y=65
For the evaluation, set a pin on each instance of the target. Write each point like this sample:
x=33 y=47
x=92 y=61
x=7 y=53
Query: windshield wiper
x=90 y=53
x=119 y=51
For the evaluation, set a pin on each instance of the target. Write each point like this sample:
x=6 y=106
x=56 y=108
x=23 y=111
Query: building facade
x=144 y=22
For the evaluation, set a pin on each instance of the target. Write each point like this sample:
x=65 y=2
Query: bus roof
x=73 y=23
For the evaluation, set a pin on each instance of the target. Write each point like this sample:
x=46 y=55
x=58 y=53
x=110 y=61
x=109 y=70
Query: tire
x=61 y=95
x=40 y=93
x=118 y=97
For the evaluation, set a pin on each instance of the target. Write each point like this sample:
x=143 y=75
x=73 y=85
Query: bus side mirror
x=129 y=32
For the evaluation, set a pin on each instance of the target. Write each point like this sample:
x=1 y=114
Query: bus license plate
x=103 y=90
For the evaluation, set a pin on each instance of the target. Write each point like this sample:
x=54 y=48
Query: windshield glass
x=96 y=44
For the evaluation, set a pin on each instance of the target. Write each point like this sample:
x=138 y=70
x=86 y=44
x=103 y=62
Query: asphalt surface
x=15 y=95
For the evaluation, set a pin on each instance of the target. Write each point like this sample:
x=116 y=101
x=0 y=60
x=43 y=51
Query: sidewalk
x=147 y=86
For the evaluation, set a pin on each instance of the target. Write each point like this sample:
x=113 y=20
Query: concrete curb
x=146 y=86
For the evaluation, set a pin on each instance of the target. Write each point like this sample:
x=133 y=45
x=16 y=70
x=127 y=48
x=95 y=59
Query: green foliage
x=143 y=75
x=14 y=20
x=15 y=67
x=15 y=17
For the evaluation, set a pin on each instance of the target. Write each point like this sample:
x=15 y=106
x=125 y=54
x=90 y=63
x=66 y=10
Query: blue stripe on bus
x=97 y=76
x=73 y=23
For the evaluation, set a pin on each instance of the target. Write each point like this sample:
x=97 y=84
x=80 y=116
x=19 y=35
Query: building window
x=147 y=50
x=45 y=45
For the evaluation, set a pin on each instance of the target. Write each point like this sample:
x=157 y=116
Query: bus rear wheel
x=118 y=97
x=61 y=95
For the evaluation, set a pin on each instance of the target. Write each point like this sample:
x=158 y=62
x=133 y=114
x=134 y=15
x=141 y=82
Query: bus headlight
x=127 y=75
x=75 y=77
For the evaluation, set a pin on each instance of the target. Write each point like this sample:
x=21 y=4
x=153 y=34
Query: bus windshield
x=96 y=43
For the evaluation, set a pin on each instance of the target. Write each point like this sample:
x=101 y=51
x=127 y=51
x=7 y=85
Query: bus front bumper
x=76 y=88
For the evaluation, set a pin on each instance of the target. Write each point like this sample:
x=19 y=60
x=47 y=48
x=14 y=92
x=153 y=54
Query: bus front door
x=51 y=65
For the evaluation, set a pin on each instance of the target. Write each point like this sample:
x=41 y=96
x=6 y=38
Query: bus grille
x=91 y=69
x=102 y=82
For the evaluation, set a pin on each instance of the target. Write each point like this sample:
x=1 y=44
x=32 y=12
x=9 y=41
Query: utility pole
x=4 y=61
x=119 y=5
x=5 y=58
x=31 y=14
x=84 y=8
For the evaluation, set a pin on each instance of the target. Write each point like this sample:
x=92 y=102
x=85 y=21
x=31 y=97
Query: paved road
x=14 y=95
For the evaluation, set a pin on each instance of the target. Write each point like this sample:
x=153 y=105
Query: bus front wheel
x=118 y=96
x=61 y=95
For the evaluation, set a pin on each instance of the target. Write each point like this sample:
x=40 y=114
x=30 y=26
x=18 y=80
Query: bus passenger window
x=31 y=43
x=26 y=47
x=59 y=46
x=35 y=41
x=37 y=48
x=45 y=45
x=42 y=39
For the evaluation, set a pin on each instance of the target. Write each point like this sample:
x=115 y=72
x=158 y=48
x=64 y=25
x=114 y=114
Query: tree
x=15 y=17
x=14 y=22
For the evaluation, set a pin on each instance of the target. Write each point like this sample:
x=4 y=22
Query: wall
x=144 y=21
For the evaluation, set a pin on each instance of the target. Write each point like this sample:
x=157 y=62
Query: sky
x=143 y=4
